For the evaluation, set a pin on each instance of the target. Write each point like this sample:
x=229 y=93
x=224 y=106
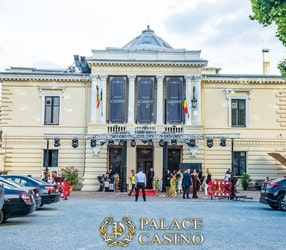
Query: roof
x=148 y=40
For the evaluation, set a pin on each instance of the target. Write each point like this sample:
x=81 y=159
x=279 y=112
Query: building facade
x=145 y=105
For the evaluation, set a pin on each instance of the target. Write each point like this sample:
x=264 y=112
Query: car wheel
x=282 y=202
x=1 y=216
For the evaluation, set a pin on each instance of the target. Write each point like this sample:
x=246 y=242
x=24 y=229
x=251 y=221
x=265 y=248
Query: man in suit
x=186 y=183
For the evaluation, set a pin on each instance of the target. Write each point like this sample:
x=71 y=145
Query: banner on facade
x=145 y=100
x=117 y=103
x=174 y=106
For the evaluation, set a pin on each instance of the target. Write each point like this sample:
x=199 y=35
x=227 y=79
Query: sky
x=46 y=34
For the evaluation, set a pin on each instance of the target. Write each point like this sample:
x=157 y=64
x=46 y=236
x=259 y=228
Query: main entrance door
x=144 y=158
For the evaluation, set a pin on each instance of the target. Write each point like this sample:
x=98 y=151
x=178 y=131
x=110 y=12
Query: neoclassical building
x=145 y=105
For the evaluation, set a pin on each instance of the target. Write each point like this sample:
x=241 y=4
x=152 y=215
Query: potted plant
x=70 y=174
x=245 y=179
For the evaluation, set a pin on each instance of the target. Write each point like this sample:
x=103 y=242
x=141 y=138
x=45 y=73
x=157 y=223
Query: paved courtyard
x=99 y=220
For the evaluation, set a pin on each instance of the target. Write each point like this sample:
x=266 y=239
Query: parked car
x=17 y=202
x=36 y=190
x=273 y=193
x=1 y=203
x=49 y=192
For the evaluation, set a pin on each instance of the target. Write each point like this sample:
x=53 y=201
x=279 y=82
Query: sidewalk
x=242 y=195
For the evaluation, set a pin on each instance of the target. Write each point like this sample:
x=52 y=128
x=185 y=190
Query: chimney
x=266 y=63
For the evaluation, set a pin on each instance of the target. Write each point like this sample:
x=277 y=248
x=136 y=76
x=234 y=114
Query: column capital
x=188 y=77
x=159 y=77
x=131 y=77
x=94 y=77
x=103 y=77
x=198 y=77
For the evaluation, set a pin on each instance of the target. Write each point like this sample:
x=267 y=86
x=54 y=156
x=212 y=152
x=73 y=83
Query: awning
x=278 y=157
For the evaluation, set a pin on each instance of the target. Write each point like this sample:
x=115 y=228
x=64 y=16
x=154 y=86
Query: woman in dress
x=195 y=180
x=173 y=186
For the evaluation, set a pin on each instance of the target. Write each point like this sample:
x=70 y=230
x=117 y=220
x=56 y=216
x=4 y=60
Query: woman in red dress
x=195 y=180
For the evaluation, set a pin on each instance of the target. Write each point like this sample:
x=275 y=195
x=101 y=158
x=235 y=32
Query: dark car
x=17 y=202
x=273 y=193
x=1 y=203
x=36 y=190
x=49 y=193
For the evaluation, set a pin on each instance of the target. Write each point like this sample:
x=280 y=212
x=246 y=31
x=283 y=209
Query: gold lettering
x=167 y=239
x=184 y=226
x=143 y=222
x=187 y=239
x=140 y=239
x=176 y=224
x=198 y=224
x=153 y=224
x=156 y=239
x=198 y=236
x=162 y=222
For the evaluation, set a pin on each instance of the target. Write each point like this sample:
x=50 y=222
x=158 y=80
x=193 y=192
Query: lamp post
x=194 y=100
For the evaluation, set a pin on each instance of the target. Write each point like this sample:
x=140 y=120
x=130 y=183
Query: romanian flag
x=185 y=104
x=99 y=97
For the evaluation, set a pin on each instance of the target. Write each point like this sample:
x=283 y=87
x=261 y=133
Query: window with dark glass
x=115 y=160
x=51 y=158
x=145 y=100
x=238 y=112
x=239 y=163
x=117 y=102
x=52 y=110
x=174 y=102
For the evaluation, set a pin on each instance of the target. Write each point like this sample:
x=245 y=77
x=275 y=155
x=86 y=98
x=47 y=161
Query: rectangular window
x=239 y=163
x=174 y=102
x=238 y=112
x=52 y=110
x=117 y=102
x=145 y=100
x=51 y=158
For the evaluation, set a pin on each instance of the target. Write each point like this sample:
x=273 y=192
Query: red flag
x=186 y=111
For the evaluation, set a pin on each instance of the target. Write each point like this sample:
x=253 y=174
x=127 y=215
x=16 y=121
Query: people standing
x=227 y=175
x=150 y=178
x=195 y=181
x=133 y=181
x=172 y=192
x=186 y=183
x=167 y=180
x=140 y=183
x=179 y=179
x=208 y=180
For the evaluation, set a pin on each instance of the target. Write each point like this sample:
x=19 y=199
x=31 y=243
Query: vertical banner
x=174 y=100
x=117 y=100
x=145 y=100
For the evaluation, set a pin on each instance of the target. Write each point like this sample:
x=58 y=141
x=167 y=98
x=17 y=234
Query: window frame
x=44 y=109
x=238 y=94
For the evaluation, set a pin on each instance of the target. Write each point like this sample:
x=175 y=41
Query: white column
x=102 y=116
x=188 y=98
x=197 y=111
x=93 y=93
x=131 y=99
x=160 y=110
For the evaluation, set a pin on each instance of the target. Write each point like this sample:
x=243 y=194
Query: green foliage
x=71 y=175
x=267 y=12
x=245 y=179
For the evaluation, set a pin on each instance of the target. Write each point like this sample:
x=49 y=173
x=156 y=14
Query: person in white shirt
x=140 y=183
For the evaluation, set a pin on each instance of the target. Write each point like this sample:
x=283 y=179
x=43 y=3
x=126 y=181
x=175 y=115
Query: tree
x=267 y=12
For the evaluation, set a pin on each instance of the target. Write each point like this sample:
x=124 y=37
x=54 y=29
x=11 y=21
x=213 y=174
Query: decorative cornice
x=44 y=77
